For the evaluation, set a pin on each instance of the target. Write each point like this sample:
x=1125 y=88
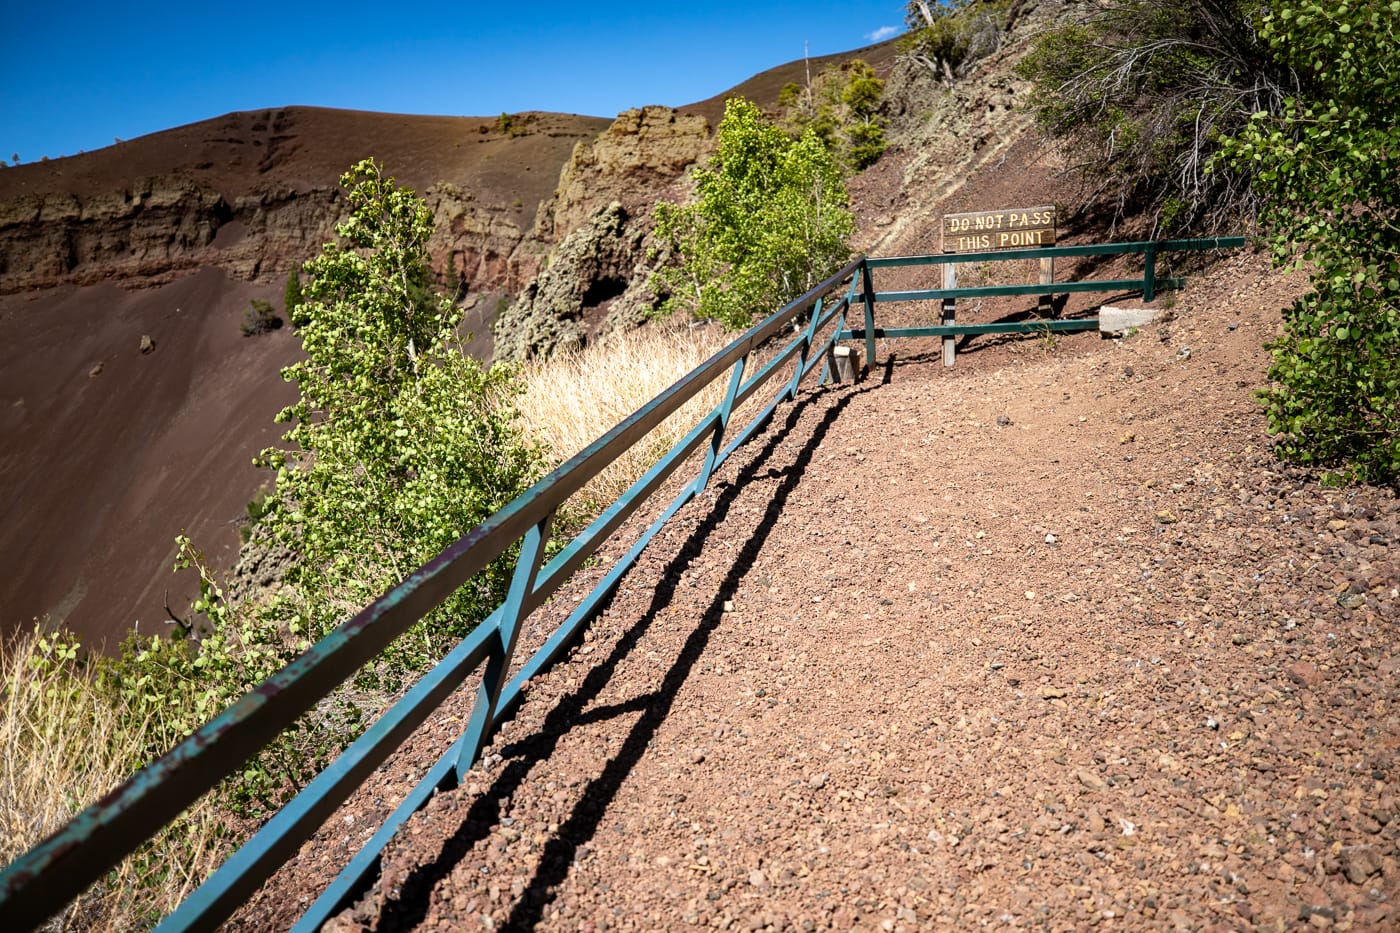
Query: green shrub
x=1326 y=170
x=259 y=318
x=949 y=37
x=1144 y=91
x=258 y=507
x=769 y=222
x=840 y=108
x=291 y=295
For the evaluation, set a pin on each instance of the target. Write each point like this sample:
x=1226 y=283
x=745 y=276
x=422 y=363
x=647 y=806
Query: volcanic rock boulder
x=589 y=270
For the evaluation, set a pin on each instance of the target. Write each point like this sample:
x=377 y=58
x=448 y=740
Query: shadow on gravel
x=411 y=907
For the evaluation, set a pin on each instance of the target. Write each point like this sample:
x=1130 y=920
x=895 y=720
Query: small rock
x=1127 y=438
x=1184 y=353
x=1359 y=863
x=758 y=879
x=95 y=371
x=1373 y=916
x=1052 y=693
x=729 y=605
x=1003 y=421
x=1166 y=518
x=147 y=344
x=1050 y=539
x=1304 y=674
x=1090 y=780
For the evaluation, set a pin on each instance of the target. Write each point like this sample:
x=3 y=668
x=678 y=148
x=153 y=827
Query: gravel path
x=1046 y=641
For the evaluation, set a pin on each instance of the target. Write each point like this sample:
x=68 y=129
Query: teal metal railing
x=41 y=882
x=1148 y=284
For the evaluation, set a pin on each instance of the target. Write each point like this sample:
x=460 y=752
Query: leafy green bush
x=1326 y=169
x=949 y=37
x=291 y=295
x=769 y=222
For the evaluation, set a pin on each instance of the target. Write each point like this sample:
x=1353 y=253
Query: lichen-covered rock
x=632 y=162
x=599 y=217
x=592 y=267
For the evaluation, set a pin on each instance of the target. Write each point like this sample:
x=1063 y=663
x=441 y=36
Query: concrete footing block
x=1119 y=321
x=845 y=364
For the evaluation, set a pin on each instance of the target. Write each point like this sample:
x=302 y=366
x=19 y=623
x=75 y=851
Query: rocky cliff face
x=594 y=265
x=154 y=231
x=640 y=157
x=481 y=241
x=594 y=281
x=498 y=209
x=255 y=194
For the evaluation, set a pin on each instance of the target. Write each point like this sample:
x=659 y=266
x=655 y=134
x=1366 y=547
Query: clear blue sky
x=76 y=75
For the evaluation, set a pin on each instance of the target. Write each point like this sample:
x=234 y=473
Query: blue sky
x=75 y=76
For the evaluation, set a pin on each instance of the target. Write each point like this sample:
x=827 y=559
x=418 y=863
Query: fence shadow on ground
x=409 y=909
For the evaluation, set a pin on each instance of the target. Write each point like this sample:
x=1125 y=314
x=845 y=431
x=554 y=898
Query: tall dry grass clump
x=571 y=399
x=66 y=740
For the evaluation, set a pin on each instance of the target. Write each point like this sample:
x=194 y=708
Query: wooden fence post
x=1047 y=277
x=950 y=280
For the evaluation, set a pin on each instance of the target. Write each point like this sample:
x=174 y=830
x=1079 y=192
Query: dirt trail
x=1047 y=641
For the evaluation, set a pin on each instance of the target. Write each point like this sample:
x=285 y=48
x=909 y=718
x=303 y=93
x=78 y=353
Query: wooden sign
x=1010 y=229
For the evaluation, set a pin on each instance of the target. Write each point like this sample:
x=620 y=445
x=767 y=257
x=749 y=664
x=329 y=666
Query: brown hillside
x=304 y=147
x=109 y=452
x=256 y=193
x=763 y=87
x=159 y=236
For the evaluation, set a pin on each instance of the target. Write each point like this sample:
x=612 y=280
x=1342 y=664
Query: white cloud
x=881 y=34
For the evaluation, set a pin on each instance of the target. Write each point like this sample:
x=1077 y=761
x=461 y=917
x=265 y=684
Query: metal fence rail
x=42 y=881
x=950 y=293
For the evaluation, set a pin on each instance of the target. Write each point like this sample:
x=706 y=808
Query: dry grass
x=66 y=741
x=572 y=399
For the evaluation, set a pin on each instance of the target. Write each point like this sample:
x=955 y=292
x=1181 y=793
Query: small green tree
x=400 y=443
x=840 y=107
x=455 y=281
x=768 y=222
x=291 y=295
x=1326 y=171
